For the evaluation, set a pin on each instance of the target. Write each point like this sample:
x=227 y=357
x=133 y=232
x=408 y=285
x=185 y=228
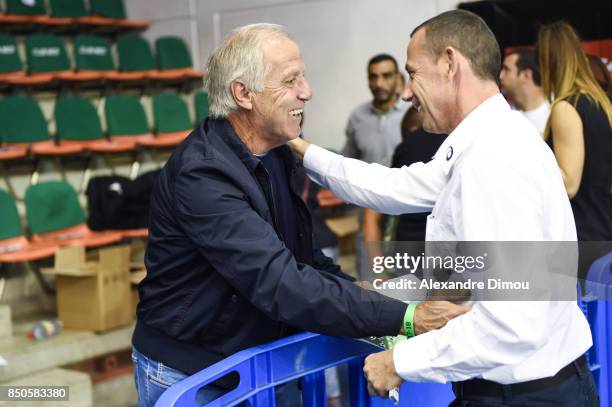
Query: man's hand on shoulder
x=299 y=147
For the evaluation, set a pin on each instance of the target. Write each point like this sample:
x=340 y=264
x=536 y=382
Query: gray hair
x=238 y=57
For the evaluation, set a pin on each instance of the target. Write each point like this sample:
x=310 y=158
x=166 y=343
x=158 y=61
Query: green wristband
x=409 y=320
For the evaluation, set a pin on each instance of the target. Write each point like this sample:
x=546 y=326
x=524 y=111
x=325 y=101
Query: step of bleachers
x=25 y=357
x=80 y=388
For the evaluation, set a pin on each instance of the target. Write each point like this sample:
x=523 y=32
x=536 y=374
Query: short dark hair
x=380 y=58
x=527 y=60
x=470 y=35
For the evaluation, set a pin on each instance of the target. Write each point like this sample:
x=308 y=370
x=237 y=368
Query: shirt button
x=234 y=298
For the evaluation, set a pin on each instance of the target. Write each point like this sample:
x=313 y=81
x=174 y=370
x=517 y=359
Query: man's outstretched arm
x=388 y=190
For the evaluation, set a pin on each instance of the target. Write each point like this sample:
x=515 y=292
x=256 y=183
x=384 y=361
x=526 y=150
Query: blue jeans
x=576 y=391
x=153 y=378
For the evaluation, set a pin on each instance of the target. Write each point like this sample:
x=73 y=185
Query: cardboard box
x=345 y=228
x=135 y=278
x=93 y=295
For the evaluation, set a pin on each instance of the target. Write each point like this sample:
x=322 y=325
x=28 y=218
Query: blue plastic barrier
x=597 y=307
x=305 y=356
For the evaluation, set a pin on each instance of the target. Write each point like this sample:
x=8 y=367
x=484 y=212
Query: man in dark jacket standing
x=230 y=261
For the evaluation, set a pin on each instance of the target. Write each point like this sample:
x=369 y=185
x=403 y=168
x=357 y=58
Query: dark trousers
x=576 y=391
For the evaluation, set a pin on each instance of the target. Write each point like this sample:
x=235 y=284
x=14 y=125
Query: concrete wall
x=337 y=38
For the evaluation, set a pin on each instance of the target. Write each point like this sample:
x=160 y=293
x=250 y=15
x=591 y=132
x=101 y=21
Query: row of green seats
x=47 y=54
x=76 y=118
x=54 y=218
x=67 y=8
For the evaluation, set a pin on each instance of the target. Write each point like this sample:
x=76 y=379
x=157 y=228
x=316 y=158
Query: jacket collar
x=223 y=128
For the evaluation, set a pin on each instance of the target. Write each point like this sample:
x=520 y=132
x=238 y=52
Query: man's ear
x=527 y=74
x=242 y=95
x=451 y=61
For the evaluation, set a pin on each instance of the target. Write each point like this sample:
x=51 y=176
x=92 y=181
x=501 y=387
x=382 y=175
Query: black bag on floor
x=117 y=202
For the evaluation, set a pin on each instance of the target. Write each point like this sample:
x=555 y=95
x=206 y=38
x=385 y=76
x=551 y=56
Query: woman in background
x=578 y=129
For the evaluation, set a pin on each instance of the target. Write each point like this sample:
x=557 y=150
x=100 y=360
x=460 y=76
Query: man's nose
x=379 y=82
x=407 y=93
x=305 y=93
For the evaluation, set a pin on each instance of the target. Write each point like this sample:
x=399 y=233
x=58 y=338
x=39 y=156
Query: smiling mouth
x=296 y=112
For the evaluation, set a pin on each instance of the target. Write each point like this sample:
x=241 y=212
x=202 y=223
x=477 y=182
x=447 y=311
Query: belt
x=487 y=388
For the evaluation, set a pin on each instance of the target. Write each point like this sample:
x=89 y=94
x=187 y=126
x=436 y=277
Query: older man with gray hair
x=230 y=260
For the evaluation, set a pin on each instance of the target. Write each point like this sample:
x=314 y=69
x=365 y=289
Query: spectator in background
x=602 y=75
x=579 y=129
x=373 y=129
x=520 y=82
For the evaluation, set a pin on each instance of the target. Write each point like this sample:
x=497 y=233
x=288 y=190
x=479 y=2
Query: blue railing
x=596 y=303
x=307 y=355
x=304 y=356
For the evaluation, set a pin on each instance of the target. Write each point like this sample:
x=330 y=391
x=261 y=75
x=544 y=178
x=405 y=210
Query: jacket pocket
x=218 y=329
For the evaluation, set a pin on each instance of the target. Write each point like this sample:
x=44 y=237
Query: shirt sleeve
x=388 y=190
x=246 y=251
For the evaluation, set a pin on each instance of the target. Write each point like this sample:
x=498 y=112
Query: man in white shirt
x=520 y=82
x=501 y=353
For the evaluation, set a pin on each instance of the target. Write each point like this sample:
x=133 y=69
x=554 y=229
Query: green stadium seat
x=46 y=54
x=93 y=55
x=174 y=59
x=200 y=102
x=11 y=67
x=18 y=12
x=135 y=58
x=78 y=123
x=28 y=8
x=8 y=151
x=171 y=116
x=109 y=8
x=10 y=64
x=62 y=12
x=115 y=9
x=54 y=215
x=14 y=246
x=22 y=124
x=76 y=12
x=126 y=120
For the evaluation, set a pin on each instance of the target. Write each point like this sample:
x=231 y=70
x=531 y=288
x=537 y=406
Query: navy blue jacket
x=220 y=280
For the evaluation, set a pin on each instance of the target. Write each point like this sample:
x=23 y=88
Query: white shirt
x=538 y=116
x=493 y=179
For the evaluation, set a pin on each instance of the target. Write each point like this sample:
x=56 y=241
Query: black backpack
x=117 y=202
